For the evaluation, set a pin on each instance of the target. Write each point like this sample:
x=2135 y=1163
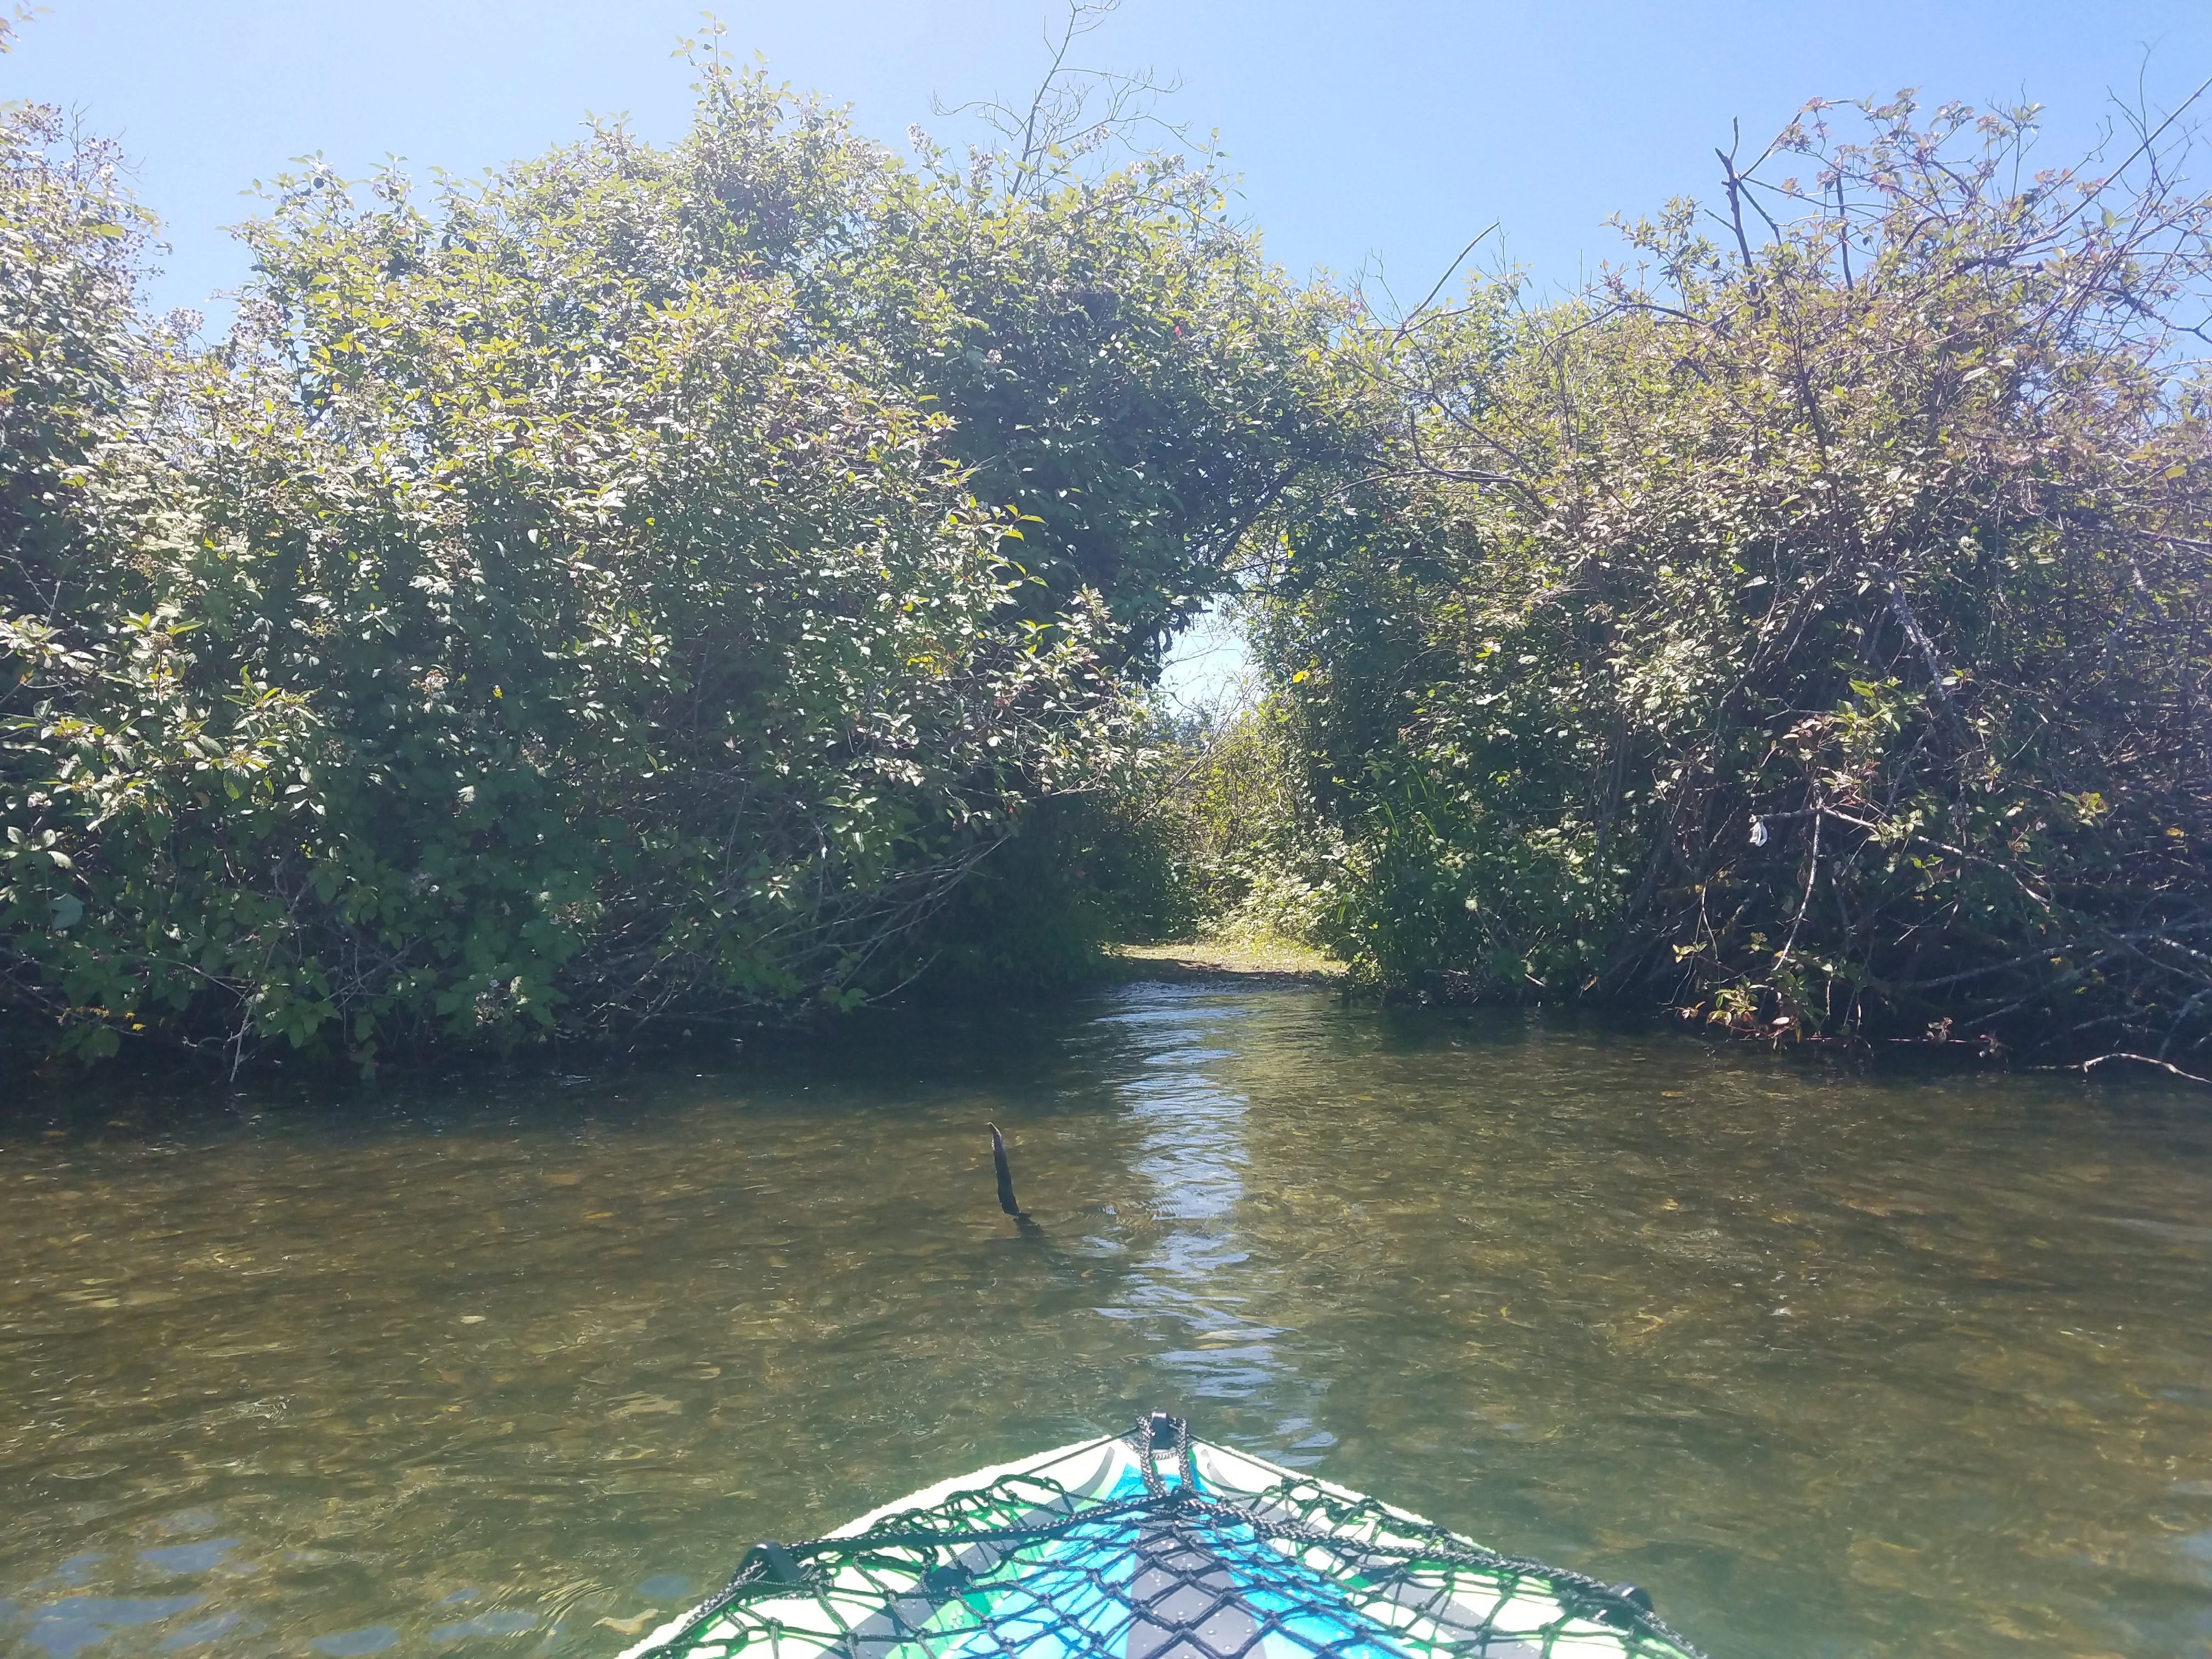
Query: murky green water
x=1835 y=1367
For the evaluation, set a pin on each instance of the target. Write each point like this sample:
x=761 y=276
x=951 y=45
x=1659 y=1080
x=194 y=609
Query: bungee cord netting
x=1161 y=1564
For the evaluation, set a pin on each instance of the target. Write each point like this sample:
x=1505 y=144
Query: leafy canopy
x=1805 y=628
x=641 y=586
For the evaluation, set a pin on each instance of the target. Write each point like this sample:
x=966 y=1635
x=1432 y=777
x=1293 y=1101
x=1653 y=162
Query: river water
x=1832 y=1365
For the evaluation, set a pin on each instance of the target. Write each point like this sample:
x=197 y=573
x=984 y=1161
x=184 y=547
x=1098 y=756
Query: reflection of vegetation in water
x=1909 y=1365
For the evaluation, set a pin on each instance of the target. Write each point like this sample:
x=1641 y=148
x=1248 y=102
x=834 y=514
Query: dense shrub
x=1809 y=632
x=645 y=585
x=1080 y=873
x=1248 y=855
x=718 y=582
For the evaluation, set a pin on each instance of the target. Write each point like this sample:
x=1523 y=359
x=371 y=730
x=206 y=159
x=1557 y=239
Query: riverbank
x=1269 y=959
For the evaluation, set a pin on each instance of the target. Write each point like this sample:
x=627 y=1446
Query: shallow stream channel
x=1831 y=1363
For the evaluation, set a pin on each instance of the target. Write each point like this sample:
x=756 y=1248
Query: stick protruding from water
x=1006 y=1171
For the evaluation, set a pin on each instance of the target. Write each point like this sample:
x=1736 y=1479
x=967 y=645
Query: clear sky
x=1378 y=136
x=1386 y=132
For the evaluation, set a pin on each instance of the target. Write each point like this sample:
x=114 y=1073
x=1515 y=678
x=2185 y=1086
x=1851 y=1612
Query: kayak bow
x=1154 y=1545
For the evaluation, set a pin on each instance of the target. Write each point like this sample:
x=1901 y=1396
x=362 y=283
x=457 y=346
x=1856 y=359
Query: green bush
x=1081 y=871
x=568 y=603
x=1808 y=635
x=1248 y=854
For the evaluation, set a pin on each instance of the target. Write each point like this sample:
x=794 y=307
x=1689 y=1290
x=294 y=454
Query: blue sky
x=1385 y=133
x=1377 y=137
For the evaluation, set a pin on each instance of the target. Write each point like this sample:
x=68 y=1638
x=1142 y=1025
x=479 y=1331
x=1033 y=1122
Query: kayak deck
x=1154 y=1545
